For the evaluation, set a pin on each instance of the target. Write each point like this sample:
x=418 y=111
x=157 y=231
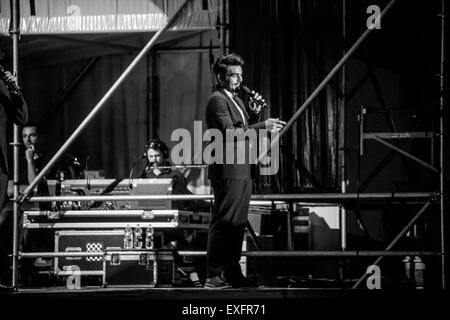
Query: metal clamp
x=148 y=214
x=54 y=215
x=115 y=259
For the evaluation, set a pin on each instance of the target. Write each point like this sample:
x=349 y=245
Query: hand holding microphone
x=256 y=100
x=9 y=80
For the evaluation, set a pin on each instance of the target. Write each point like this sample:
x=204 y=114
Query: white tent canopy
x=106 y=16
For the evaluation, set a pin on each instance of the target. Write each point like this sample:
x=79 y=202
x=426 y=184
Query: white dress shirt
x=236 y=105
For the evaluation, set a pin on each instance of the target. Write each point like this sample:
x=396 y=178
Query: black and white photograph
x=224 y=159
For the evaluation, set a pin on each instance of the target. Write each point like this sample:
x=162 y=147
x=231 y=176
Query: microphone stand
x=88 y=182
x=130 y=180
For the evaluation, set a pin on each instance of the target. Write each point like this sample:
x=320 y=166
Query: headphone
x=157 y=144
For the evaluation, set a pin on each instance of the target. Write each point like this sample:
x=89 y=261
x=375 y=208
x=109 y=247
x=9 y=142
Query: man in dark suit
x=12 y=107
x=231 y=182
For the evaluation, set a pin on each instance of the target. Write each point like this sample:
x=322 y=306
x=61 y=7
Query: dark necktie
x=238 y=104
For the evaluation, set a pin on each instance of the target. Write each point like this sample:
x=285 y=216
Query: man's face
x=155 y=157
x=233 y=78
x=29 y=136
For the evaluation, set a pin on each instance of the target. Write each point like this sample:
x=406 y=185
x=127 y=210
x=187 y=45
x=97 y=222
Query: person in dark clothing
x=33 y=158
x=159 y=167
x=12 y=108
x=35 y=240
x=231 y=182
x=34 y=161
x=157 y=155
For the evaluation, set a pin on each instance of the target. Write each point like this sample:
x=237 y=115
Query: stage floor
x=199 y=303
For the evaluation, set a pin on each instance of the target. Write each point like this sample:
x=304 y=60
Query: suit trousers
x=227 y=227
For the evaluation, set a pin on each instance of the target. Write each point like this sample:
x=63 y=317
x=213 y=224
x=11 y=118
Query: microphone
x=88 y=182
x=11 y=85
x=247 y=91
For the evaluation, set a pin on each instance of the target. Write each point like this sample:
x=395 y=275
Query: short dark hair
x=232 y=59
x=32 y=124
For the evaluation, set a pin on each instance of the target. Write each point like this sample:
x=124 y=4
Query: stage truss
x=426 y=199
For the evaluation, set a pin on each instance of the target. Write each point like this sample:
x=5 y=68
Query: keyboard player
x=158 y=167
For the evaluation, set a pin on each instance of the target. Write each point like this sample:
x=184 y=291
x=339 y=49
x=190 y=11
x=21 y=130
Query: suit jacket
x=221 y=114
x=12 y=107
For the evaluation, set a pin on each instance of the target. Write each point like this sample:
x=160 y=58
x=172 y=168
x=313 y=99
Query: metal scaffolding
x=427 y=198
x=20 y=198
